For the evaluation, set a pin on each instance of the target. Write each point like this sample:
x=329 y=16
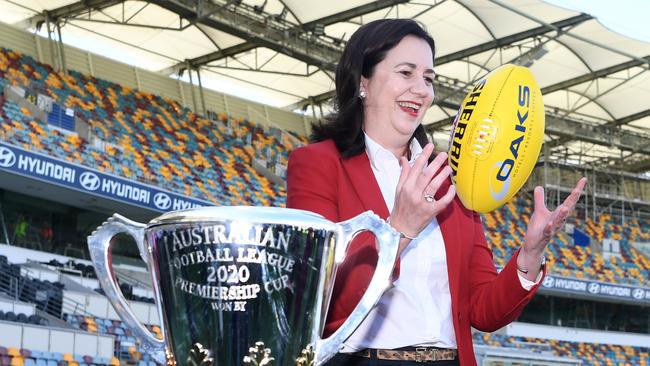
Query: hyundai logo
x=593 y=288
x=162 y=201
x=7 y=157
x=89 y=181
x=638 y=293
x=548 y=281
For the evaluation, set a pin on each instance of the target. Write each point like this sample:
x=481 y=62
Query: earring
x=362 y=94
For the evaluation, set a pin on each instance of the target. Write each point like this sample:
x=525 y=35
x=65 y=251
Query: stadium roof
x=596 y=83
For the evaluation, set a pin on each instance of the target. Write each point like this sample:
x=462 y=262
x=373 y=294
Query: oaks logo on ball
x=89 y=181
x=162 y=201
x=7 y=157
x=505 y=167
x=499 y=193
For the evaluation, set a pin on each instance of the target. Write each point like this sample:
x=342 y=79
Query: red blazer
x=319 y=180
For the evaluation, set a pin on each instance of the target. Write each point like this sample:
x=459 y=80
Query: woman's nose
x=423 y=89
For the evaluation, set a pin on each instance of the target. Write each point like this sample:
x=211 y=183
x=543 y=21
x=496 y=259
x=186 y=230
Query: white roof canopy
x=283 y=53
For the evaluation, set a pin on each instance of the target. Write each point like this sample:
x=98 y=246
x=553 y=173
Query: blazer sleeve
x=310 y=177
x=496 y=299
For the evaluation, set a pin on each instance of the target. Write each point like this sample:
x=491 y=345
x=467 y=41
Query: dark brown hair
x=366 y=48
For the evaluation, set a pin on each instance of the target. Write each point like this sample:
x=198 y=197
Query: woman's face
x=399 y=92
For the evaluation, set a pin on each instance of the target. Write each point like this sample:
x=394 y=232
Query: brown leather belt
x=417 y=354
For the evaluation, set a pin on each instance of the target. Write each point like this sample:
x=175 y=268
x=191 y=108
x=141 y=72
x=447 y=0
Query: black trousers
x=344 y=359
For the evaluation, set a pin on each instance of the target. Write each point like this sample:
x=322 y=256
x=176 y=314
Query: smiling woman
x=363 y=72
x=398 y=93
x=373 y=154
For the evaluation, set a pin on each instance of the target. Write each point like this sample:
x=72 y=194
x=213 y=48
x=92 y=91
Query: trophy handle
x=388 y=243
x=99 y=244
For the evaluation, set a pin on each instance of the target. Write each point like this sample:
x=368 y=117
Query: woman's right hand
x=415 y=206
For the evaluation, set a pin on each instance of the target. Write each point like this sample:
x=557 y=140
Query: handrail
x=4 y=225
x=16 y=286
x=128 y=279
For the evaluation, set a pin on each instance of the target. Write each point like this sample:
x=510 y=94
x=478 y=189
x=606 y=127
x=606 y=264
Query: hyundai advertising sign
x=26 y=163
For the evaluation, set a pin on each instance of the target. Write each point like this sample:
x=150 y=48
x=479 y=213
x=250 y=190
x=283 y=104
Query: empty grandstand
x=83 y=136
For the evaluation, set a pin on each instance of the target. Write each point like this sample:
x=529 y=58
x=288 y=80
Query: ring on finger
x=428 y=197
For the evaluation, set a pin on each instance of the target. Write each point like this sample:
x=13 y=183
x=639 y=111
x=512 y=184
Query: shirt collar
x=378 y=154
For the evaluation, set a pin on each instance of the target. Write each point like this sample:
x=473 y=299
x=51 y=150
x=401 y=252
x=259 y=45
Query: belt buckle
x=419 y=354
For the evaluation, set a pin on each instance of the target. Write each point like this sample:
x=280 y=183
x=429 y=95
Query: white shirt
x=417 y=310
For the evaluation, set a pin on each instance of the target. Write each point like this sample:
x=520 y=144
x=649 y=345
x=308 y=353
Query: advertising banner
x=595 y=289
x=29 y=164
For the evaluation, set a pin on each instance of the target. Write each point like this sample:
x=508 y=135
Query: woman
x=373 y=155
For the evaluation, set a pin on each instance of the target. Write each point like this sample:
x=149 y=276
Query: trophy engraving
x=199 y=356
x=258 y=355
x=227 y=277
x=231 y=254
x=307 y=357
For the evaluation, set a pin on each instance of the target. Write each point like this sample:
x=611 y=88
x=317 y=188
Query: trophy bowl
x=242 y=285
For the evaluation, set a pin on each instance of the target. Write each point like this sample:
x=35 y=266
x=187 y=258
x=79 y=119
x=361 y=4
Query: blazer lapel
x=451 y=234
x=364 y=183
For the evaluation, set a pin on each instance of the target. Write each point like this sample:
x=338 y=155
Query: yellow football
x=496 y=137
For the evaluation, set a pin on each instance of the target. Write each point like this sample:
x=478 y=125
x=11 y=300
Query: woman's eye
x=405 y=72
x=429 y=80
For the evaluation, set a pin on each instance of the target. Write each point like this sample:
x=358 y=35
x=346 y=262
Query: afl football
x=496 y=137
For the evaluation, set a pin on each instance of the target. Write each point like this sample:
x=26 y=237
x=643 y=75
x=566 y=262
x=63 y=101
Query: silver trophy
x=243 y=285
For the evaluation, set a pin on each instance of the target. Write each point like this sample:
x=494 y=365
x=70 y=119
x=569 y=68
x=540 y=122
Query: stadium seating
x=77 y=269
x=589 y=353
x=506 y=227
x=125 y=343
x=23 y=318
x=47 y=296
x=157 y=141
x=150 y=138
x=80 y=268
x=25 y=357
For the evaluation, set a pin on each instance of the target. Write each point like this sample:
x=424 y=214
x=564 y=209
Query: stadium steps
x=53 y=321
x=263 y=170
x=642 y=248
x=14 y=96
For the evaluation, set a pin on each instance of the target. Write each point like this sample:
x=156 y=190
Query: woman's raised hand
x=543 y=226
x=415 y=205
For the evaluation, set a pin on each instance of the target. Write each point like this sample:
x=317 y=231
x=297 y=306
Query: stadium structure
x=83 y=136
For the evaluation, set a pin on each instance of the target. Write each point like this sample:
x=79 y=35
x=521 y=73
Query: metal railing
x=22 y=287
x=3 y=223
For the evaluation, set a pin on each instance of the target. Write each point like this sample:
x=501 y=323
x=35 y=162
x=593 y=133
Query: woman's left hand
x=543 y=225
